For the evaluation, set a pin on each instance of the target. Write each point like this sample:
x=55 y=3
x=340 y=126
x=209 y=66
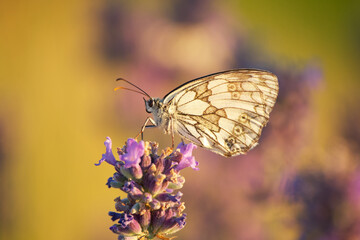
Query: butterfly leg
x=148 y=119
x=172 y=134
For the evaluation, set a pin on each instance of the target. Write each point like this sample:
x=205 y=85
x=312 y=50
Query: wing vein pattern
x=224 y=112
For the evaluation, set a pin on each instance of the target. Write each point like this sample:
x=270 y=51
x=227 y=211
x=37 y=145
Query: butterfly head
x=152 y=104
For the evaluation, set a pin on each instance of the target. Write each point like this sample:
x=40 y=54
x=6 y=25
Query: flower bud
x=177 y=182
x=126 y=172
x=179 y=208
x=127 y=226
x=152 y=169
x=173 y=224
x=176 y=157
x=154 y=147
x=155 y=204
x=121 y=205
x=136 y=172
x=159 y=165
x=167 y=197
x=157 y=219
x=155 y=184
x=119 y=177
x=132 y=190
x=146 y=198
x=145 y=219
x=135 y=208
x=145 y=162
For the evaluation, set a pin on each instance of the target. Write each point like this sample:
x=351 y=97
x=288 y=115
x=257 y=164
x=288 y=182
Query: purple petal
x=166 y=197
x=127 y=226
x=108 y=156
x=108 y=183
x=130 y=188
x=187 y=159
x=115 y=216
x=173 y=224
x=125 y=219
x=134 y=151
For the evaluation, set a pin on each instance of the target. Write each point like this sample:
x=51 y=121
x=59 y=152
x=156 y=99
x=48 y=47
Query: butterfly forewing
x=224 y=112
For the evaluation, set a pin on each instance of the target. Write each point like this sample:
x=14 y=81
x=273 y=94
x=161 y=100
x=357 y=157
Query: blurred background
x=58 y=63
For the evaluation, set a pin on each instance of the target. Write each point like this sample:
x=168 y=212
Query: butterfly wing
x=224 y=112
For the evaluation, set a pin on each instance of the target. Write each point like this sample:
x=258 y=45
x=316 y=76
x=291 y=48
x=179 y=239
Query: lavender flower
x=152 y=208
x=134 y=151
x=187 y=159
x=108 y=156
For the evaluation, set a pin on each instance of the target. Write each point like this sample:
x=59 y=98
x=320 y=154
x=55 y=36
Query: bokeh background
x=58 y=63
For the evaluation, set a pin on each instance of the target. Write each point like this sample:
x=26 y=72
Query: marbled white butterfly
x=223 y=112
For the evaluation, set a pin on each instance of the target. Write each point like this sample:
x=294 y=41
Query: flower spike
x=153 y=207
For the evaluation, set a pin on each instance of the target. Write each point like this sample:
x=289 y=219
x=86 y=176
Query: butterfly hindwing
x=224 y=112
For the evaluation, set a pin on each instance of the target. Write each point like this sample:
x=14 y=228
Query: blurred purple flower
x=187 y=159
x=108 y=156
x=134 y=151
x=313 y=76
x=354 y=188
x=320 y=197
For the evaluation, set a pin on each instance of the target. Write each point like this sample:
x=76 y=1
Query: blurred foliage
x=58 y=63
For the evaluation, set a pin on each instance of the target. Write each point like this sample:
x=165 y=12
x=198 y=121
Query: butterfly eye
x=151 y=103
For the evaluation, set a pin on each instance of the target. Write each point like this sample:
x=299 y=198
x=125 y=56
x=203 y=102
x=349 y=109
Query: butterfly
x=224 y=112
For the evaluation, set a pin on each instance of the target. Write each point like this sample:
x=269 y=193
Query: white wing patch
x=197 y=107
x=224 y=112
x=186 y=97
x=192 y=130
x=215 y=83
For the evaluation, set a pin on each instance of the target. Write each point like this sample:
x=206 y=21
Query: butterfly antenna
x=142 y=91
x=132 y=90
